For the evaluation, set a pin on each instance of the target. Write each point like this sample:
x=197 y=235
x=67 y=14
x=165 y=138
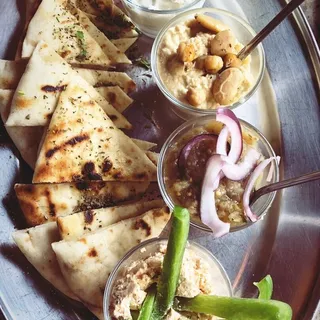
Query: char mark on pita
x=49 y=88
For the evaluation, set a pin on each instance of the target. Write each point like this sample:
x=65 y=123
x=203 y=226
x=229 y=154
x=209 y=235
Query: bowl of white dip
x=126 y=288
x=194 y=62
x=151 y=15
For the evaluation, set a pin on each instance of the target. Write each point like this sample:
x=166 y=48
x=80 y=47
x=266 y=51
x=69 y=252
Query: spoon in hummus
x=284 y=184
x=284 y=13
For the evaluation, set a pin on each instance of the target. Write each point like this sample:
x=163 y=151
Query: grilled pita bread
x=112 y=52
x=46 y=76
x=144 y=145
x=153 y=156
x=87 y=262
x=11 y=72
x=99 y=78
x=26 y=139
x=54 y=24
x=116 y=97
x=73 y=226
x=114 y=27
x=35 y=244
x=124 y=44
x=82 y=144
x=41 y=203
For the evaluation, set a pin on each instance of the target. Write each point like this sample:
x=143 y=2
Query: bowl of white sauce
x=150 y=16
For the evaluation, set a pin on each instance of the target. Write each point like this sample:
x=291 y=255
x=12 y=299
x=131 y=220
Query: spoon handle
x=285 y=184
x=291 y=6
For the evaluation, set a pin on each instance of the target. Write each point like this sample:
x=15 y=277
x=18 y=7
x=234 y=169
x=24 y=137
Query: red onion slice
x=230 y=120
x=250 y=185
x=185 y=151
x=208 y=210
x=241 y=170
x=222 y=141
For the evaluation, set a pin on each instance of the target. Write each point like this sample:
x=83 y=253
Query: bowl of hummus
x=194 y=149
x=126 y=289
x=195 y=65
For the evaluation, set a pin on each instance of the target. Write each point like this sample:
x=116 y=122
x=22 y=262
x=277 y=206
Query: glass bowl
x=144 y=249
x=150 y=20
x=242 y=31
x=260 y=207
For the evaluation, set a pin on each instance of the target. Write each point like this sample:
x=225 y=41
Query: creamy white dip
x=150 y=22
x=198 y=275
x=163 y=4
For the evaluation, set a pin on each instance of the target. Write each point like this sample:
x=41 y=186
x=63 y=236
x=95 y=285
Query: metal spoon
x=284 y=184
x=287 y=10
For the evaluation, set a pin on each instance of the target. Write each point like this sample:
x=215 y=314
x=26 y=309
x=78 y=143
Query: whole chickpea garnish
x=196 y=96
x=232 y=61
x=186 y=52
x=213 y=64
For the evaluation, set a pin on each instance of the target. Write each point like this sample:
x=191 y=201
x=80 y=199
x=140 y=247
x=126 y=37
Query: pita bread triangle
x=26 y=139
x=73 y=226
x=82 y=143
x=87 y=262
x=45 y=202
x=113 y=53
x=54 y=24
x=35 y=244
x=39 y=88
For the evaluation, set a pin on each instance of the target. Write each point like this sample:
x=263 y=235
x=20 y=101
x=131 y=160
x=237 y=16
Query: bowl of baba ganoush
x=211 y=165
x=126 y=289
x=195 y=65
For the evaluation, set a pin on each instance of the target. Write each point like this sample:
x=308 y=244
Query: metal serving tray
x=286 y=109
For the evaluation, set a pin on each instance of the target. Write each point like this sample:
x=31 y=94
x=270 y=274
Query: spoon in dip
x=284 y=13
x=284 y=184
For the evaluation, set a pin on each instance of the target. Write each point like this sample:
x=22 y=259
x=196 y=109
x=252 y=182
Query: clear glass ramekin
x=260 y=207
x=149 y=20
x=242 y=31
x=144 y=249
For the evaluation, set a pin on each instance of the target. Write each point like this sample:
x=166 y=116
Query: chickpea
x=223 y=43
x=186 y=52
x=213 y=64
x=232 y=61
x=225 y=87
x=210 y=23
x=196 y=96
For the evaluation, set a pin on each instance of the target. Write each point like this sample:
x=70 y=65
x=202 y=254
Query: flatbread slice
x=124 y=44
x=116 y=97
x=73 y=226
x=114 y=26
x=41 y=203
x=83 y=144
x=99 y=78
x=108 y=18
x=35 y=244
x=144 y=145
x=11 y=72
x=46 y=76
x=54 y=24
x=87 y=262
x=26 y=139
x=153 y=156
x=112 y=52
